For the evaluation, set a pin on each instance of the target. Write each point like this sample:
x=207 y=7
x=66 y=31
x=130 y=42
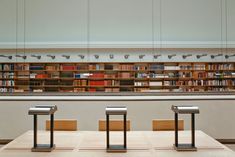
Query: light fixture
x=21 y=56
x=96 y=56
x=156 y=56
x=111 y=56
x=126 y=56
x=185 y=56
x=170 y=56
x=202 y=55
x=141 y=56
x=52 y=57
x=214 y=56
x=81 y=56
x=66 y=56
x=36 y=56
x=9 y=57
x=228 y=56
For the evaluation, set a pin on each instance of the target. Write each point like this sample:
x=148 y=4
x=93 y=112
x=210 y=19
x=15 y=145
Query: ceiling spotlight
x=66 y=56
x=52 y=57
x=96 y=56
x=156 y=56
x=9 y=57
x=202 y=55
x=214 y=56
x=36 y=56
x=21 y=56
x=185 y=56
x=228 y=56
x=111 y=56
x=81 y=56
x=141 y=56
x=170 y=56
x=126 y=56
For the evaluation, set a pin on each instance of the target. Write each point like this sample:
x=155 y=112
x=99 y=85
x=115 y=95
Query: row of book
x=80 y=83
x=36 y=83
x=96 y=83
x=185 y=67
x=125 y=67
x=221 y=75
x=125 y=75
x=6 y=67
x=96 y=75
x=142 y=90
x=112 y=90
x=183 y=89
x=141 y=83
x=221 y=89
x=96 y=67
x=193 y=83
x=22 y=67
x=51 y=82
x=156 y=67
x=141 y=75
x=7 y=90
x=77 y=90
x=52 y=67
x=67 y=75
x=7 y=83
x=199 y=67
x=184 y=74
x=104 y=83
x=36 y=67
x=171 y=67
x=140 y=67
x=111 y=83
x=110 y=75
x=221 y=82
x=160 y=75
x=162 y=66
x=36 y=75
x=6 y=75
x=220 y=66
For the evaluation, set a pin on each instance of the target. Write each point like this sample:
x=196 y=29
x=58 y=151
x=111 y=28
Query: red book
x=92 y=90
x=68 y=67
x=97 y=75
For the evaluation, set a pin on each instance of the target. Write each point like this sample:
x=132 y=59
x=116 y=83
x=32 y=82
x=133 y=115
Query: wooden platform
x=93 y=143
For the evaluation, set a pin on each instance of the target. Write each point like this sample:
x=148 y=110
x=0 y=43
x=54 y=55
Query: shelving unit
x=117 y=77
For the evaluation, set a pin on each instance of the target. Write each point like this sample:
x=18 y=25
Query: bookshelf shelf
x=117 y=77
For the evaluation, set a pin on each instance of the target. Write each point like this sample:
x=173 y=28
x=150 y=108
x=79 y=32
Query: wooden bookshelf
x=117 y=77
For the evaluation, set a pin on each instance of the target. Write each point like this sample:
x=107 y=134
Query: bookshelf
x=117 y=77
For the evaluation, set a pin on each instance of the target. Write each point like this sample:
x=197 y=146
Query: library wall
x=118 y=70
x=215 y=117
x=196 y=23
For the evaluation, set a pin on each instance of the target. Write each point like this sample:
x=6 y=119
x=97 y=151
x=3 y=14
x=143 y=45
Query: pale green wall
x=216 y=117
x=115 y=20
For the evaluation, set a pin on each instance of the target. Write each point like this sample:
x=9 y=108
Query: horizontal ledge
x=117 y=98
x=226 y=141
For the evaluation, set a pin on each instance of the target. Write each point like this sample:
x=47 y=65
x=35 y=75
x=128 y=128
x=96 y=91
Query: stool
x=63 y=125
x=114 y=125
x=43 y=110
x=166 y=124
x=116 y=110
x=185 y=110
